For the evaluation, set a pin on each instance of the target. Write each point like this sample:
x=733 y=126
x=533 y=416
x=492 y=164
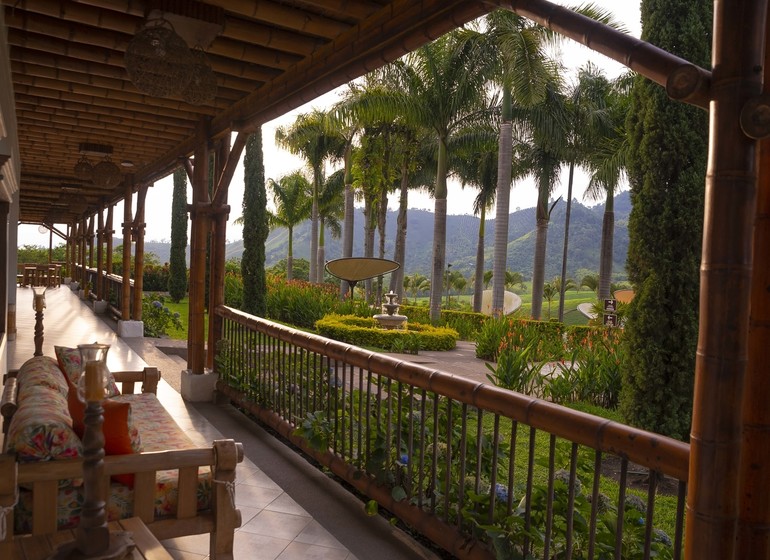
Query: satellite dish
x=42 y=229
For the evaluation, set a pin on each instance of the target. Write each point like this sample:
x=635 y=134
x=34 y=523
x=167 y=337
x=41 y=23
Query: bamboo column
x=82 y=250
x=730 y=202
x=108 y=234
x=99 y=287
x=90 y=241
x=138 y=231
x=68 y=250
x=754 y=499
x=220 y=212
x=125 y=301
x=200 y=220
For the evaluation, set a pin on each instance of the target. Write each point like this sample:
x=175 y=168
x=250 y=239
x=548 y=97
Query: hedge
x=363 y=331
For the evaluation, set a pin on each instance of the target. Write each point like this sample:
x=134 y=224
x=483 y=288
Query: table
x=39 y=547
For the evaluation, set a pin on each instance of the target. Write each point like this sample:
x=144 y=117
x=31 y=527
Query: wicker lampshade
x=202 y=87
x=83 y=169
x=106 y=173
x=158 y=60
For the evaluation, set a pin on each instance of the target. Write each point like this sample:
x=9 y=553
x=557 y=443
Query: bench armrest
x=148 y=377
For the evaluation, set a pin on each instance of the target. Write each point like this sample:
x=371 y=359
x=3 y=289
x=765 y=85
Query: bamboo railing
x=466 y=464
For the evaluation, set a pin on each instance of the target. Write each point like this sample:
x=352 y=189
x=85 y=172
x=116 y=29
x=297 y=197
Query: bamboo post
x=220 y=212
x=125 y=302
x=108 y=234
x=138 y=231
x=754 y=499
x=720 y=365
x=199 y=212
x=99 y=287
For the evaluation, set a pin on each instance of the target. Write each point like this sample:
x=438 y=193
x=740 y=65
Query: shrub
x=155 y=278
x=298 y=302
x=157 y=317
x=233 y=289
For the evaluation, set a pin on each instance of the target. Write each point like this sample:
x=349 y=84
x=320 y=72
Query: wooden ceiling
x=271 y=56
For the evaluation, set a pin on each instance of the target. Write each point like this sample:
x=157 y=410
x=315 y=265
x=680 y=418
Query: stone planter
x=100 y=306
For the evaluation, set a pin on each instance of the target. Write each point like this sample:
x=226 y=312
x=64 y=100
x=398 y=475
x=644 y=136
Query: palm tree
x=549 y=292
x=524 y=73
x=590 y=281
x=487 y=278
x=590 y=124
x=441 y=90
x=476 y=164
x=513 y=279
x=608 y=164
x=292 y=198
x=309 y=137
x=522 y=69
x=343 y=123
x=330 y=211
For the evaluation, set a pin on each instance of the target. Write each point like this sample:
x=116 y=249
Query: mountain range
x=461 y=241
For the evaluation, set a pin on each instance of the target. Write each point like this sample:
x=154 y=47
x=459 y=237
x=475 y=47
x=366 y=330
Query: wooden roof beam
x=683 y=80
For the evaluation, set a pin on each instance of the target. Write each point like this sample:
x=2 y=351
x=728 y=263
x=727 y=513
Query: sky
x=279 y=162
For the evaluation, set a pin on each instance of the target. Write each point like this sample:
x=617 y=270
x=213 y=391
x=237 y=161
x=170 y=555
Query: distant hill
x=462 y=235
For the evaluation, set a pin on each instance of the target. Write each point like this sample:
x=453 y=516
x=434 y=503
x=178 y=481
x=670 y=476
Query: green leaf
x=398 y=493
x=371 y=508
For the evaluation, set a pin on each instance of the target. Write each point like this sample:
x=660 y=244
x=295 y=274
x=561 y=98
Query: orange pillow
x=120 y=436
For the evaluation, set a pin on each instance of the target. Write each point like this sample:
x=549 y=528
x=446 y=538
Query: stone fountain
x=390 y=319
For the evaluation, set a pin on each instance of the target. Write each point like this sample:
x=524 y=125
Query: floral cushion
x=40 y=371
x=41 y=429
x=71 y=365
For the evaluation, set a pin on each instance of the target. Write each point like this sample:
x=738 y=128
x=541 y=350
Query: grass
x=665 y=505
x=183 y=309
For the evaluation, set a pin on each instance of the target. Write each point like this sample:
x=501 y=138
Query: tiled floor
x=276 y=523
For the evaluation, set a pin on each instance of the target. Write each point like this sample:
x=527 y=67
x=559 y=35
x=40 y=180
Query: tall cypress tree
x=177 y=264
x=255 y=228
x=667 y=175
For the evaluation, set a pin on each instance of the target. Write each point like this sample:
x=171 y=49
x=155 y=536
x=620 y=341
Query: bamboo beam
x=726 y=263
x=267 y=36
x=683 y=80
x=63 y=52
x=396 y=29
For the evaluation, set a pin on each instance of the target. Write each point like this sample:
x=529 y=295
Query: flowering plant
x=157 y=317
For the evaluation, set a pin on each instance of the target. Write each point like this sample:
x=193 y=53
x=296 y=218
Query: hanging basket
x=158 y=60
x=202 y=87
x=83 y=169
x=107 y=174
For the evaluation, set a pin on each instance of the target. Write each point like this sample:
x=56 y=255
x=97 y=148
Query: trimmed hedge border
x=364 y=331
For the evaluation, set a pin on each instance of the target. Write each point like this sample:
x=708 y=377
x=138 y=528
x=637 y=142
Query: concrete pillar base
x=198 y=387
x=131 y=329
x=100 y=306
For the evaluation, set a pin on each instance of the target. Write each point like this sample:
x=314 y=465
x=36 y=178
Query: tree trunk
x=399 y=251
x=290 y=257
x=347 y=234
x=368 y=241
x=503 y=196
x=382 y=217
x=478 y=279
x=605 y=260
x=439 y=233
x=538 y=268
x=563 y=287
x=314 y=229
x=321 y=251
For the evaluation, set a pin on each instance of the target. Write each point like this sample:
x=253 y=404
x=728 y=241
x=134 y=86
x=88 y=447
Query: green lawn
x=183 y=309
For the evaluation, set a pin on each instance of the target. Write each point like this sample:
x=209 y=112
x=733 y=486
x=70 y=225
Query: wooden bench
x=40 y=483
